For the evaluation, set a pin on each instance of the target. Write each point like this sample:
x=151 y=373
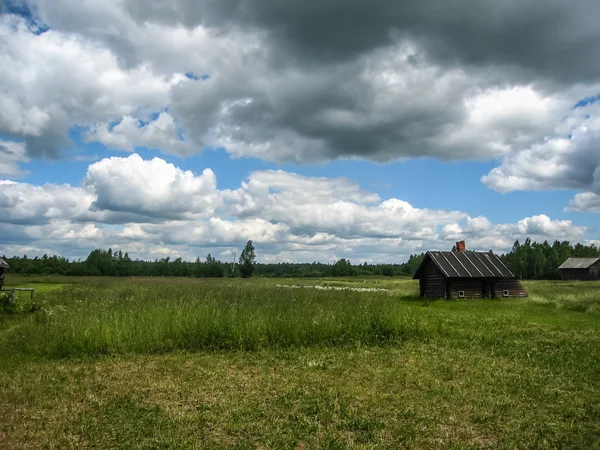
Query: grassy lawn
x=172 y=363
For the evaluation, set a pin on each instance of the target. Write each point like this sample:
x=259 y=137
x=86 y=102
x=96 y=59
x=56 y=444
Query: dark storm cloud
x=553 y=38
x=50 y=144
x=349 y=109
x=315 y=80
x=319 y=96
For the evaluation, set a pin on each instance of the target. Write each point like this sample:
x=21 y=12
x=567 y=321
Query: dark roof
x=578 y=263
x=466 y=265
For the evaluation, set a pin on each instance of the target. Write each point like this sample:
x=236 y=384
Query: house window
x=461 y=294
x=505 y=293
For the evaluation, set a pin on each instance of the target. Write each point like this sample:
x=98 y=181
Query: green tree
x=214 y=268
x=247 y=260
x=342 y=268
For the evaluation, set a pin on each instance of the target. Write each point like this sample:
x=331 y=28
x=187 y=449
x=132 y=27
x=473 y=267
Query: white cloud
x=115 y=190
x=585 y=202
x=542 y=225
x=26 y=204
x=481 y=234
x=500 y=120
x=335 y=206
x=149 y=207
x=393 y=101
x=88 y=231
x=160 y=134
x=111 y=66
x=568 y=160
x=133 y=231
x=222 y=233
x=52 y=81
x=389 y=104
x=151 y=189
x=279 y=91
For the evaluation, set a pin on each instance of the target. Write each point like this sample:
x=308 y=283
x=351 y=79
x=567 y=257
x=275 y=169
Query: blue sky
x=369 y=149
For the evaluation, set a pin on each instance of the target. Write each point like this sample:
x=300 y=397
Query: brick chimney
x=461 y=247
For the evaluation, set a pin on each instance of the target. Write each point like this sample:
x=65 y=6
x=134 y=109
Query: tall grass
x=581 y=296
x=502 y=373
x=87 y=320
x=146 y=316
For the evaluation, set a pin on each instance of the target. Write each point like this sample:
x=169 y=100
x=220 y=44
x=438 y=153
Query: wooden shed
x=580 y=269
x=3 y=267
x=465 y=274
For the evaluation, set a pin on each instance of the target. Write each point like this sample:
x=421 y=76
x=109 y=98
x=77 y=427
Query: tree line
x=534 y=260
x=530 y=260
x=116 y=263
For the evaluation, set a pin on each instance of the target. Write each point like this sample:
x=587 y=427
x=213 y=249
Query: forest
x=527 y=260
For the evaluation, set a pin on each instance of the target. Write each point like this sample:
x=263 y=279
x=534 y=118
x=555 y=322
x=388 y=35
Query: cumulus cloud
x=152 y=189
x=149 y=206
x=568 y=160
x=26 y=204
x=54 y=80
x=334 y=206
x=392 y=103
x=585 y=202
x=159 y=134
x=553 y=39
x=483 y=234
x=305 y=83
x=115 y=190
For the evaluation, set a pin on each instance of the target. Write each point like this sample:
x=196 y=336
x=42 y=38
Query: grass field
x=188 y=363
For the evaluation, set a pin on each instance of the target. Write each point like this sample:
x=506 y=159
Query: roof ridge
x=485 y=264
x=579 y=262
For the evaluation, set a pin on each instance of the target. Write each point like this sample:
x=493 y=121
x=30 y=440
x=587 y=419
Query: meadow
x=296 y=363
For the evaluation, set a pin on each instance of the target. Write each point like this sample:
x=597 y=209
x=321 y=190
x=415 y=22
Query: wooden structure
x=12 y=291
x=580 y=269
x=3 y=267
x=464 y=274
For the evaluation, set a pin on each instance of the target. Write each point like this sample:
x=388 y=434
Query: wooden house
x=580 y=269
x=465 y=274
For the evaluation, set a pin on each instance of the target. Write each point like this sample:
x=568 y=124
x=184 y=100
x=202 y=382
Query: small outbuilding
x=465 y=274
x=3 y=267
x=580 y=269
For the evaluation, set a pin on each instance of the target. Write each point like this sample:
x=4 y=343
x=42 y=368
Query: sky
x=319 y=129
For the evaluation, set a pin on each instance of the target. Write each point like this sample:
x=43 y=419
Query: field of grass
x=190 y=363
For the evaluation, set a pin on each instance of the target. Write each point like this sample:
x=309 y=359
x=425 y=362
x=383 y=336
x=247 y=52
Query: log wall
x=432 y=283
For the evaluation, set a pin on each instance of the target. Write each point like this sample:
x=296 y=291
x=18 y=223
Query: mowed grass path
x=242 y=363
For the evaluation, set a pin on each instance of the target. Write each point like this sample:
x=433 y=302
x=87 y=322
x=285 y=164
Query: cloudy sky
x=320 y=129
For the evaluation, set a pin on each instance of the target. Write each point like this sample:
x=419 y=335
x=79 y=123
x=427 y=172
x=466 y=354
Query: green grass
x=180 y=363
x=125 y=318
